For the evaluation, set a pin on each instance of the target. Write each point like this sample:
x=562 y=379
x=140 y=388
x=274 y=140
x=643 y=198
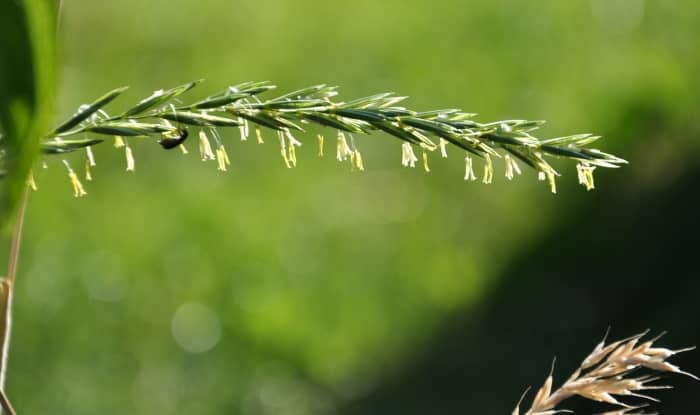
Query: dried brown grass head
x=608 y=373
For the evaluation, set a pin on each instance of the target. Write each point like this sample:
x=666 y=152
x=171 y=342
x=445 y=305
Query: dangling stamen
x=585 y=175
x=320 y=145
x=425 y=162
x=548 y=173
x=205 y=147
x=579 y=171
x=88 y=176
x=408 y=157
x=89 y=162
x=258 y=135
x=222 y=157
x=292 y=155
x=359 y=164
x=78 y=190
x=443 y=147
x=488 y=169
x=243 y=128
x=516 y=167
x=130 y=162
x=118 y=141
x=292 y=140
x=469 y=168
x=90 y=156
x=283 y=148
x=551 y=177
x=343 y=150
x=291 y=151
x=511 y=167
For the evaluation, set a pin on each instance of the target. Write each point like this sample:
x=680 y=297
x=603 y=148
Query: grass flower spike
x=161 y=116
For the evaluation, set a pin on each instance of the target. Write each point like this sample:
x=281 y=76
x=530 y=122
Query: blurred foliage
x=179 y=289
x=27 y=80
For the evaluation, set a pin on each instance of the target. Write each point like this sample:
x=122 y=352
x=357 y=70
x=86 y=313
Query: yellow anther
x=283 y=149
x=222 y=158
x=205 y=147
x=443 y=148
x=488 y=170
x=90 y=156
x=130 y=162
x=551 y=178
x=585 y=175
x=118 y=141
x=320 y=145
x=512 y=167
x=78 y=190
x=243 y=128
x=292 y=155
x=88 y=176
x=359 y=164
x=469 y=169
x=343 y=151
x=291 y=151
x=408 y=157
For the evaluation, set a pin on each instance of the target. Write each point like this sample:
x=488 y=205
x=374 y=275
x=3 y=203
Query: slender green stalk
x=6 y=405
x=161 y=115
x=6 y=289
x=5 y=329
x=16 y=241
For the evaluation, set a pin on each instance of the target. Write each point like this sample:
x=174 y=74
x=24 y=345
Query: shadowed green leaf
x=27 y=30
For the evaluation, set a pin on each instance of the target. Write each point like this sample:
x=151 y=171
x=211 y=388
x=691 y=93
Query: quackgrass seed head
x=240 y=106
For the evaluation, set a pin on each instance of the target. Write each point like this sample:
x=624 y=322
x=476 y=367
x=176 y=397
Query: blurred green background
x=180 y=289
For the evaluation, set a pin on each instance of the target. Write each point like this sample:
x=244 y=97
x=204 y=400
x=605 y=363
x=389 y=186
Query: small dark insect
x=174 y=141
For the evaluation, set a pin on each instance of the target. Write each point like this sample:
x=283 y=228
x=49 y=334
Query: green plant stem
x=6 y=405
x=7 y=285
x=16 y=239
